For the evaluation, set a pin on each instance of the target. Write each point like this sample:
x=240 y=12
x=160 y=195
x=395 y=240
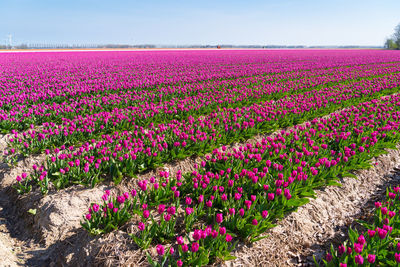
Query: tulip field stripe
x=132 y=119
x=82 y=69
x=242 y=193
x=16 y=82
x=22 y=118
x=52 y=135
x=136 y=152
x=50 y=94
x=178 y=109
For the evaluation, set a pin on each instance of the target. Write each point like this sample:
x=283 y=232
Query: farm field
x=202 y=157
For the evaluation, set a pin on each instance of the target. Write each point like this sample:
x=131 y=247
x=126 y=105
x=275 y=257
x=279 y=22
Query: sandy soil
x=7 y=249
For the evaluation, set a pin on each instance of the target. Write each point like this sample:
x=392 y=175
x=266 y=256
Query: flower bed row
x=379 y=244
x=127 y=153
x=85 y=127
x=180 y=98
x=36 y=77
x=234 y=196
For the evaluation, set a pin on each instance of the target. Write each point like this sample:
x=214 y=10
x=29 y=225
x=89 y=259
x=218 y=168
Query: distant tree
x=390 y=44
x=394 y=42
x=396 y=36
x=22 y=46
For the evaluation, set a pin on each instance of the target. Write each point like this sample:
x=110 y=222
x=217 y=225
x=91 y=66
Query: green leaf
x=258 y=238
x=334 y=183
x=315 y=261
x=32 y=211
x=348 y=174
x=228 y=257
x=309 y=193
x=203 y=259
x=297 y=202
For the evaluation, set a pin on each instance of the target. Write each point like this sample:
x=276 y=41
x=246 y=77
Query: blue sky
x=178 y=22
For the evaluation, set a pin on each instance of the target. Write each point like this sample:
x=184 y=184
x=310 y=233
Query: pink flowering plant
x=245 y=190
x=118 y=150
x=378 y=245
x=23 y=184
x=161 y=228
x=110 y=116
x=38 y=177
x=203 y=246
x=164 y=255
x=111 y=214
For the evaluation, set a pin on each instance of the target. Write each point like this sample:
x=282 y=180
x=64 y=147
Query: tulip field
x=268 y=128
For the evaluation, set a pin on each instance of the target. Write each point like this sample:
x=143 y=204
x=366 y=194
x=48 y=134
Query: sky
x=201 y=22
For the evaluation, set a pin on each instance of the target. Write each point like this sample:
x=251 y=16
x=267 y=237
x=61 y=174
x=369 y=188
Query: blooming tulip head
x=371 y=258
x=219 y=217
x=195 y=247
x=160 y=250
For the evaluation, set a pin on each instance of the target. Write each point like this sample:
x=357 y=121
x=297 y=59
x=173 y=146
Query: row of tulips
x=127 y=153
x=32 y=78
x=85 y=127
x=37 y=77
x=88 y=126
x=236 y=194
x=180 y=98
x=379 y=244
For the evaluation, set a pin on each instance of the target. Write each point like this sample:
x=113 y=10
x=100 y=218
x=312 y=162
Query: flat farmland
x=200 y=157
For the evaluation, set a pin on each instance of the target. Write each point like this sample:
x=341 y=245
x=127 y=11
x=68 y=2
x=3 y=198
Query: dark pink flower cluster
x=378 y=245
x=241 y=191
x=129 y=152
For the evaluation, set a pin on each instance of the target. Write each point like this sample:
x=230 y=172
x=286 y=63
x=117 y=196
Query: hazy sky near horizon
x=180 y=22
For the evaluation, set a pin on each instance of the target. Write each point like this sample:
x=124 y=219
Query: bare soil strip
x=8 y=249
